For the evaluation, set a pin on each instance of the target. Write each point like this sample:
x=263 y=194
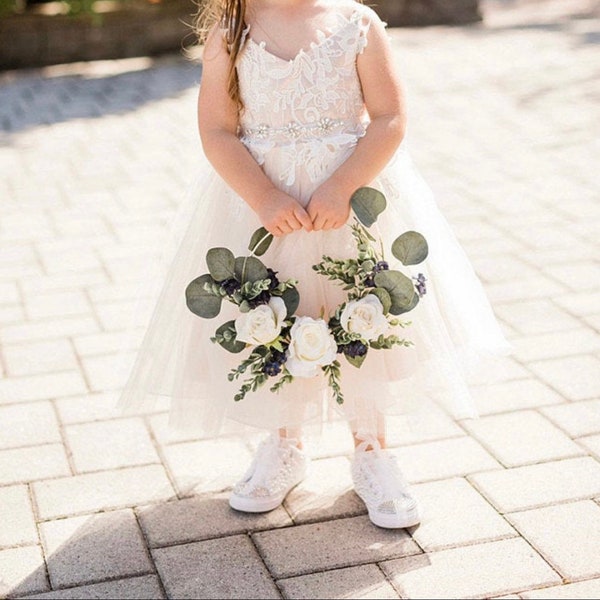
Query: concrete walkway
x=95 y=159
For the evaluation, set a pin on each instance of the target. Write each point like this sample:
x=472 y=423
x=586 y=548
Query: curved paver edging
x=40 y=40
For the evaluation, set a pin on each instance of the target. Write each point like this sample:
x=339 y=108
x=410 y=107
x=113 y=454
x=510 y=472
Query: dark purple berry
x=278 y=357
x=271 y=369
x=273 y=278
x=420 y=285
x=381 y=266
x=230 y=286
x=355 y=348
x=370 y=281
x=262 y=298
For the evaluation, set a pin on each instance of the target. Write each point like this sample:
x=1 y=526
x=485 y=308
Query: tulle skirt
x=454 y=333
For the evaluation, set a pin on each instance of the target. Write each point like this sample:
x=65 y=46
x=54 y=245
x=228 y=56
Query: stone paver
x=503 y=126
x=92 y=548
x=539 y=485
x=483 y=571
x=566 y=535
x=145 y=587
x=225 y=568
x=99 y=491
x=521 y=437
x=580 y=589
x=18 y=522
x=362 y=582
x=128 y=440
x=331 y=544
x=464 y=518
x=201 y=518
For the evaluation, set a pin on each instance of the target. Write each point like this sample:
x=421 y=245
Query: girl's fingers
x=303 y=218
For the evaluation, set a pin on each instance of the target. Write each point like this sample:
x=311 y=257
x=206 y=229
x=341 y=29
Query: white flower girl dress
x=302 y=119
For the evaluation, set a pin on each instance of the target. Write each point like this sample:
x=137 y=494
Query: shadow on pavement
x=90 y=90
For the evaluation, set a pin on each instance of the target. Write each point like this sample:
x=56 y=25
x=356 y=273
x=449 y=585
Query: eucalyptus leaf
x=410 y=248
x=291 y=298
x=400 y=288
x=220 y=263
x=384 y=298
x=408 y=308
x=249 y=268
x=367 y=204
x=226 y=335
x=260 y=241
x=356 y=361
x=200 y=301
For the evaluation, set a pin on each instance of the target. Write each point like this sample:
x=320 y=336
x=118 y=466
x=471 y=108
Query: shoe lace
x=271 y=455
x=388 y=478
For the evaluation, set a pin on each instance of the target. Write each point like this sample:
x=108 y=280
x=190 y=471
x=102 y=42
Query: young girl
x=299 y=105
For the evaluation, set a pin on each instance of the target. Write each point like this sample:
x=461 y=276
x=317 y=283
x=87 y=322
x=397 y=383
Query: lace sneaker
x=277 y=467
x=382 y=487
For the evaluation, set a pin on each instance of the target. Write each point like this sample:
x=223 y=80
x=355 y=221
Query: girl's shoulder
x=350 y=8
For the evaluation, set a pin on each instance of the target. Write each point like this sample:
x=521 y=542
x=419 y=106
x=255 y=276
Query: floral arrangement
x=284 y=345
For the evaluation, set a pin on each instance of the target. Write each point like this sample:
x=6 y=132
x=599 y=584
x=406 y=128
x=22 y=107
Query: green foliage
x=221 y=263
x=260 y=241
x=367 y=204
x=410 y=248
x=249 y=268
x=225 y=336
x=400 y=288
x=201 y=298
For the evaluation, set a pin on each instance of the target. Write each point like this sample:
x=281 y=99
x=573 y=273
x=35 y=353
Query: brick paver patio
x=95 y=159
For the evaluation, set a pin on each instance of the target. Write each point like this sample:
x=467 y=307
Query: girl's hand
x=329 y=206
x=281 y=214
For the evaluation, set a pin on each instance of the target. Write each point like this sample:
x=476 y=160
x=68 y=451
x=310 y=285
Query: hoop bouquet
x=284 y=346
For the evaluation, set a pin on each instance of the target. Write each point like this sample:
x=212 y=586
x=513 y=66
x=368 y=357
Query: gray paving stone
x=455 y=514
x=41 y=387
x=592 y=444
x=18 y=523
x=36 y=462
x=581 y=589
x=90 y=407
x=142 y=588
x=39 y=357
x=556 y=344
x=519 y=394
x=28 y=424
x=22 y=571
x=576 y=418
x=201 y=518
x=92 y=548
x=536 y=316
x=481 y=571
x=442 y=459
x=207 y=466
x=576 y=377
x=521 y=437
x=540 y=485
x=224 y=568
x=128 y=440
x=331 y=544
x=366 y=581
x=100 y=491
x=570 y=544
x=327 y=493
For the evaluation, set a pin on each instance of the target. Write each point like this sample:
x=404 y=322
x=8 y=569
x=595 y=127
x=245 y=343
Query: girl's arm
x=218 y=123
x=329 y=206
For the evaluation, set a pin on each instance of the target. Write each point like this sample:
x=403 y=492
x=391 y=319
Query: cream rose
x=312 y=346
x=365 y=317
x=262 y=324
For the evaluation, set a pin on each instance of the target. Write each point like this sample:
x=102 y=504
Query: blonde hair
x=231 y=16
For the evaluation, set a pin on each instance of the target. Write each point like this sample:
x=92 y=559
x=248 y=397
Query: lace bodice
x=309 y=110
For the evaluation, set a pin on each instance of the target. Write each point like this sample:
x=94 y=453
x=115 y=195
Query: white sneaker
x=277 y=467
x=382 y=487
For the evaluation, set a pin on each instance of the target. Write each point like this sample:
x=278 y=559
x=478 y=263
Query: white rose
x=312 y=346
x=262 y=324
x=365 y=317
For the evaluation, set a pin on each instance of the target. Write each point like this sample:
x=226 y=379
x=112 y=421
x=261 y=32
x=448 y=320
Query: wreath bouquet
x=284 y=345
